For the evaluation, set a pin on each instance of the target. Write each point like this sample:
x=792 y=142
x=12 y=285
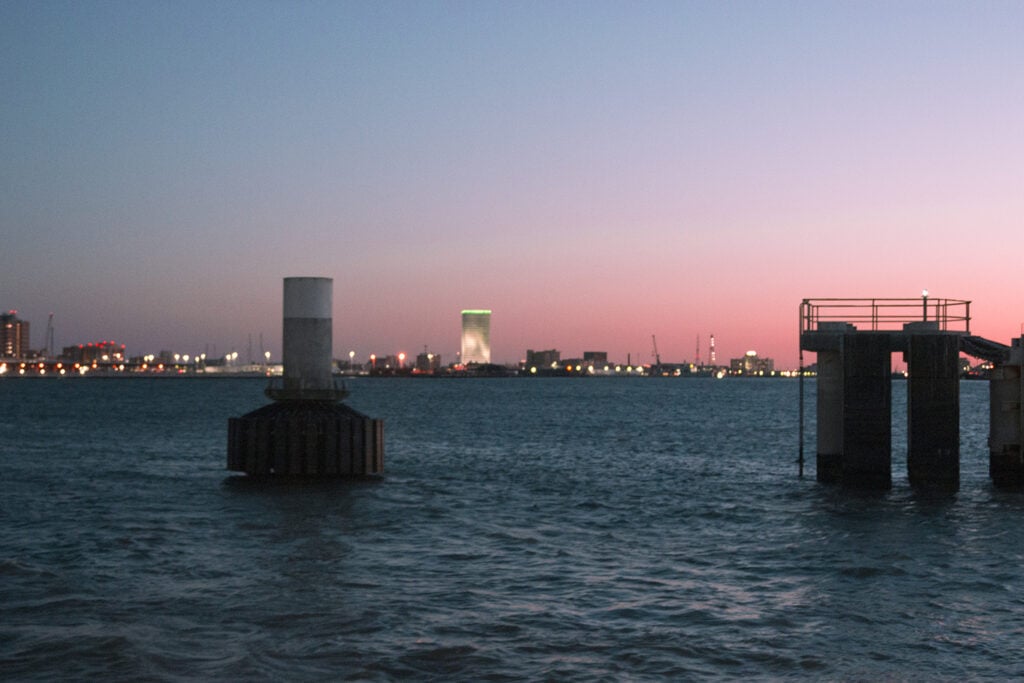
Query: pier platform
x=854 y=340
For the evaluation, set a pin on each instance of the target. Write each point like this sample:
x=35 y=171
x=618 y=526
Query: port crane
x=657 y=356
x=48 y=341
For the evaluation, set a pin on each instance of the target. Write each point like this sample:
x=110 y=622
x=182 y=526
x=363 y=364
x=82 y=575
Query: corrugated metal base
x=306 y=438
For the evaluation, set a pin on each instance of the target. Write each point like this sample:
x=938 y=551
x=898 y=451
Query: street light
x=924 y=304
x=351 y=359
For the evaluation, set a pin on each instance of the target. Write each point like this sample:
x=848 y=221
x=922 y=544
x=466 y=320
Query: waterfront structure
x=595 y=357
x=752 y=365
x=1006 y=419
x=854 y=340
x=307 y=431
x=95 y=352
x=542 y=359
x=476 y=336
x=13 y=336
x=428 y=363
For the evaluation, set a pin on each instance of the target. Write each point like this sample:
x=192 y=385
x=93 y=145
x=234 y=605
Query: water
x=526 y=529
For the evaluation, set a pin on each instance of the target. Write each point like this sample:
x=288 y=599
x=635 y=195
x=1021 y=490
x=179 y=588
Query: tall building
x=476 y=336
x=13 y=336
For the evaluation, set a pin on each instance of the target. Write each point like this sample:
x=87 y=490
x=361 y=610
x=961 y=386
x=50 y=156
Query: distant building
x=751 y=364
x=476 y=337
x=542 y=359
x=13 y=336
x=97 y=352
x=428 y=362
x=595 y=357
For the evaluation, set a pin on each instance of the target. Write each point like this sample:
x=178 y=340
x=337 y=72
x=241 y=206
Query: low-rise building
x=95 y=352
x=428 y=362
x=542 y=359
x=751 y=365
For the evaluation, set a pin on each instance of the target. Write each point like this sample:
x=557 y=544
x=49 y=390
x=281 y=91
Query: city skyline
x=475 y=336
x=595 y=173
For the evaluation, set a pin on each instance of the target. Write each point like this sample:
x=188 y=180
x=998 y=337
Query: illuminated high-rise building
x=476 y=336
x=13 y=336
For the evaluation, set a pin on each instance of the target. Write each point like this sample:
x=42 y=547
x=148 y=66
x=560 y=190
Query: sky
x=595 y=173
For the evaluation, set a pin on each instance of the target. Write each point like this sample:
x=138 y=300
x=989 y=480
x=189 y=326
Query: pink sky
x=594 y=173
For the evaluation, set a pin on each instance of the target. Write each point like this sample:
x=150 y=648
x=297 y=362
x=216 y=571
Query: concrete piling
x=307 y=431
x=307 y=336
x=855 y=398
x=1006 y=420
x=933 y=411
x=854 y=405
x=830 y=416
x=867 y=411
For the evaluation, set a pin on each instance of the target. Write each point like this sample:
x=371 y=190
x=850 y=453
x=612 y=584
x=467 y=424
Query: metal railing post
x=800 y=458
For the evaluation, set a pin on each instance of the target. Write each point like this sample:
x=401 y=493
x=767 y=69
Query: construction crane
x=657 y=356
x=48 y=349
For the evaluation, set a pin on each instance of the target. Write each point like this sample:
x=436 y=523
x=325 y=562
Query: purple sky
x=593 y=172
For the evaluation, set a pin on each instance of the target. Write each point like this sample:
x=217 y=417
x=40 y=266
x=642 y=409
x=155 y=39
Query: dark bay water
x=526 y=529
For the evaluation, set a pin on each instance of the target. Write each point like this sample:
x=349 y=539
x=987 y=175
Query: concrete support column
x=867 y=411
x=1006 y=420
x=307 y=334
x=933 y=411
x=830 y=416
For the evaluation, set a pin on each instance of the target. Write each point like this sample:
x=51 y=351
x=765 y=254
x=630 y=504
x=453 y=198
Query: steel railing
x=949 y=315
x=952 y=315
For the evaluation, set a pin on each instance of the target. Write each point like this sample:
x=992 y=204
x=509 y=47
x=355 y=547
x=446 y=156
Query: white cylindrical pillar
x=307 y=339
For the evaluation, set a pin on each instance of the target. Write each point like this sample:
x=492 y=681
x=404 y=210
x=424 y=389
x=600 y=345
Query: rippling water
x=526 y=529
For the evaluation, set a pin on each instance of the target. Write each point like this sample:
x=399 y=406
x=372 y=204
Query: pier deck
x=854 y=340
